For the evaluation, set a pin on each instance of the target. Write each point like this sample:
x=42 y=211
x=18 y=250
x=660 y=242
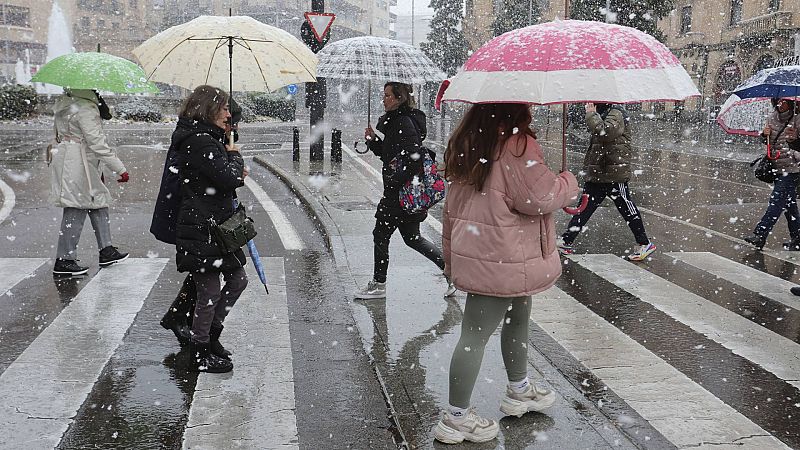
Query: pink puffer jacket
x=501 y=241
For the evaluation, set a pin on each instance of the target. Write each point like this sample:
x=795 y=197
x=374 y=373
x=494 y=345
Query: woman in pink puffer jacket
x=500 y=247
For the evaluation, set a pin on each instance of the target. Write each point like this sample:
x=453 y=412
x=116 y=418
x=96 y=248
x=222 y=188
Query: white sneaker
x=533 y=399
x=451 y=288
x=642 y=252
x=473 y=428
x=373 y=290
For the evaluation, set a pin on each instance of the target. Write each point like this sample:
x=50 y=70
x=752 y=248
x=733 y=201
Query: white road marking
x=254 y=406
x=763 y=347
x=14 y=270
x=9 y=200
x=43 y=389
x=769 y=286
x=431 y=221
x=677 y=407
x=287 y=233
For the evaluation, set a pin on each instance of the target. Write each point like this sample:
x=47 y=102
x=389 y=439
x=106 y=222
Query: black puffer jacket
x=404 y=129
x=209 y=177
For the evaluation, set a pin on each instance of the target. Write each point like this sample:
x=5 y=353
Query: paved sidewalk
x=410 y=336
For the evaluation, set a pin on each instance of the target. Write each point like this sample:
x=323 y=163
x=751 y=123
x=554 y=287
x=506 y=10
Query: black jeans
x=621 y=195
x=384 y=228
x=215 y=301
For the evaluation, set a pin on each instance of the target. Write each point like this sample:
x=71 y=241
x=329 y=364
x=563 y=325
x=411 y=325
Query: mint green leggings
x=481 y=316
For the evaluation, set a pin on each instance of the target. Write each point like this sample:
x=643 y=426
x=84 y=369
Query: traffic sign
x=291 y=89
x=320 y=23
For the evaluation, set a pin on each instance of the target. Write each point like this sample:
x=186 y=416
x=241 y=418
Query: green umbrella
x=91 y=70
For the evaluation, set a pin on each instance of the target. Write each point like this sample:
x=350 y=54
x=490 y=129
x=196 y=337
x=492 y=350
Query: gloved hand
x=123 y=177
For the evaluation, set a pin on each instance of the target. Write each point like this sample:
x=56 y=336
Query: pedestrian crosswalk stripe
x=254 y=405
x=736 y=333
x=287 y=233
x=680 y=409
x=42 y=390
x=14 y=270
x=769 y=286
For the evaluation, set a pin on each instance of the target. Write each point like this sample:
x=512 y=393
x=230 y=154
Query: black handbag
x=235 y=232
x=764 y=169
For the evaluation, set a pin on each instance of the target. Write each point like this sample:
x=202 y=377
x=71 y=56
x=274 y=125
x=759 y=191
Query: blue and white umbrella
x=775 y=82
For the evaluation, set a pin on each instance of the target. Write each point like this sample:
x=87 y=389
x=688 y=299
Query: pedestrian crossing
x=701 y=374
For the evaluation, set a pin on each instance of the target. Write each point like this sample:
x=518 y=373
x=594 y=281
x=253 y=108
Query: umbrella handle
x=579 y=209
x=770 y=155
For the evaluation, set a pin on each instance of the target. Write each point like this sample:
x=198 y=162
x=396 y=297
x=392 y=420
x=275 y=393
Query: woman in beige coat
x=77 y=161
x=500 y=247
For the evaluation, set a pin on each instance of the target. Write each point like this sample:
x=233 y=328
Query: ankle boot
x=178 y=317
x=202 y=360
x=215 y=346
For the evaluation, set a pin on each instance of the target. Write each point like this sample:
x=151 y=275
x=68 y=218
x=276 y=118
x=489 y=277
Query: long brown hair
x=477 y=141
x=203 y=104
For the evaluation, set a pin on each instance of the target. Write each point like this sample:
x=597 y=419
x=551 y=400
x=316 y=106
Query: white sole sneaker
x=447 y=435
x=363 y=296
x=511 y=407
x=111 y=263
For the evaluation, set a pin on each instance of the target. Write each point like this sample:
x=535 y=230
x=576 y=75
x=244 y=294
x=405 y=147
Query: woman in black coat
x=404 y=129
x=210 y=172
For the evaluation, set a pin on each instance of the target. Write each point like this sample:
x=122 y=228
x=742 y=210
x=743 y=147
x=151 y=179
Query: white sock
x=518 y=387
x=457 y=413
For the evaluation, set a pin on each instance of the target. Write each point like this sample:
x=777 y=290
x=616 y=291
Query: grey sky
x=403 y=7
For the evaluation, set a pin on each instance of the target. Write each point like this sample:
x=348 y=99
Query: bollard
x=336 y=145
x=295 y=144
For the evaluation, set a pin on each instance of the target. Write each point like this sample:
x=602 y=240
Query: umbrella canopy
x=99 y=71
x=264 y=58
x=776 y=82
x=571 y=61
x=744 y=116
x=378 y=59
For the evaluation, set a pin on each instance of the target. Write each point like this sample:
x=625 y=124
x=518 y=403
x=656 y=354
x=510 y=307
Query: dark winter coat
x=404 y=129
x=208 y=176
x=608 y=159
x=787 y=161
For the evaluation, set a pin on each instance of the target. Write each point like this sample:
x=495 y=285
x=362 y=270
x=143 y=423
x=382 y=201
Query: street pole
x=412 y=23
x=316 y=93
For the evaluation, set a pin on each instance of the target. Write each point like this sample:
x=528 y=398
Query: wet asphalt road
x=691 y=203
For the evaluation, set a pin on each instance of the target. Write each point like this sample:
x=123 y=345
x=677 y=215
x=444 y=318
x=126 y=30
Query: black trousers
x=621 y=195
x=384 y=228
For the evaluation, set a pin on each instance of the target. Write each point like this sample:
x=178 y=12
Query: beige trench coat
x=78 y=160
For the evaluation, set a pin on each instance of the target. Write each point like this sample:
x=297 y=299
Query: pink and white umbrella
x=570 y=61
x=744 y=116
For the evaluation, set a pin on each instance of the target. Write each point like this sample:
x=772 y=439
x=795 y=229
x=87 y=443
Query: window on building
x=101 y=23
x=774 y=5
x=115 y=25
x=86 y=23
x=134 y=4
x=686 y=19
x=15 y=16
x=736 y=12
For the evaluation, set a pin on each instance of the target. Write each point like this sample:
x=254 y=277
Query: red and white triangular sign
x=320 y=23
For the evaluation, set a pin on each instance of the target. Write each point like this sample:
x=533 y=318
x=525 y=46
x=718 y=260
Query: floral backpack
x=423 y=190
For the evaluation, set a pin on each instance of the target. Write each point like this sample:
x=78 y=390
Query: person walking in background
x=500 y=247
x=404 y=129
x=210 y=172
x=77 y=185
x=607 y=169
x=780 y=133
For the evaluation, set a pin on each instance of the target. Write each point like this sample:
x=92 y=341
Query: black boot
x=793 y=245
x=756 y=240
x=202 y=360
x=179 y=315
x=215 y=345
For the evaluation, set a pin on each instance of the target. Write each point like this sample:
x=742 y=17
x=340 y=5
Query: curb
x=315 y=209
x=333 y=240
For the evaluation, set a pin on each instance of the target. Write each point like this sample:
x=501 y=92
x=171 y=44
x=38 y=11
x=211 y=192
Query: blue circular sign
x=292 y=89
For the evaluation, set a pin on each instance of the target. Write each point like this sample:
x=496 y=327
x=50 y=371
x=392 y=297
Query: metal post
x=295 y=144
x=412 y=22
x=316 y=94
x=336 y=145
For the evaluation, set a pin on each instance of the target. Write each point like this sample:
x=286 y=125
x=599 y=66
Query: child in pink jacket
x=500 y=247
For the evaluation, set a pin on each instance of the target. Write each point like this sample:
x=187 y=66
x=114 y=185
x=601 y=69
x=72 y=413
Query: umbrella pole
x=564 y=137
x=230 y=85
x=369 y=103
